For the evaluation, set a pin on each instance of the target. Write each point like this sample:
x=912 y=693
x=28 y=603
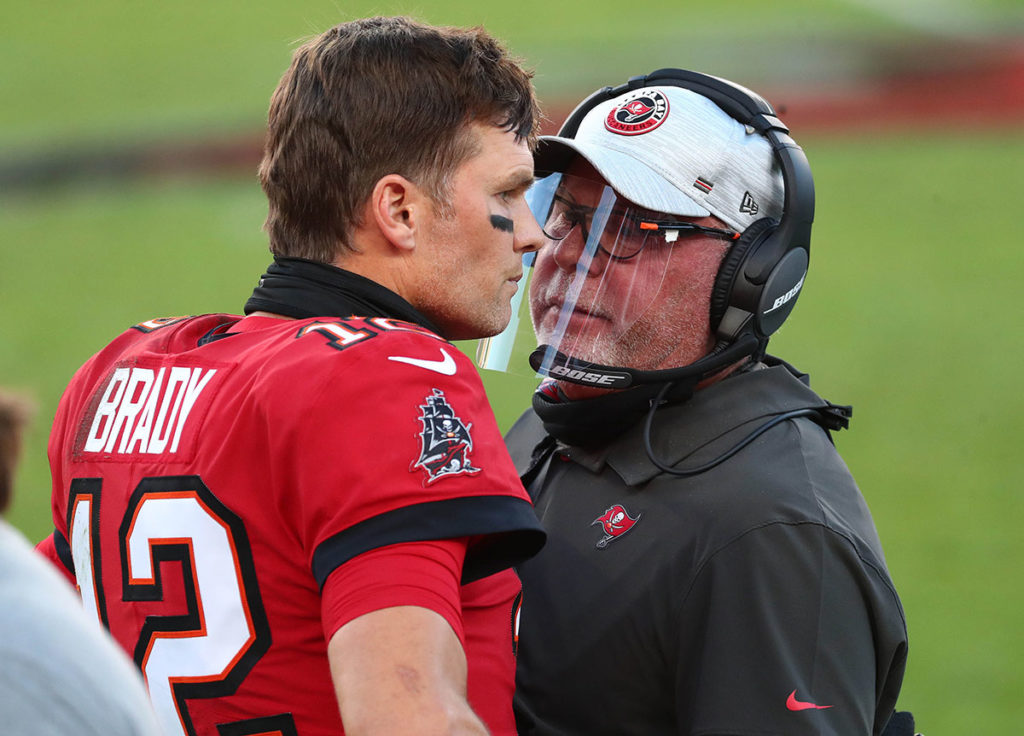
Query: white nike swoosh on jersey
x=446 y=366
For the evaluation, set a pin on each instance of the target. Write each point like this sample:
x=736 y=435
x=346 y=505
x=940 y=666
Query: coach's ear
x=396 y=206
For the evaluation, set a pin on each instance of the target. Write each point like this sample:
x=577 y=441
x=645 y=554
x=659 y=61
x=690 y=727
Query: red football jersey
x=211 y=473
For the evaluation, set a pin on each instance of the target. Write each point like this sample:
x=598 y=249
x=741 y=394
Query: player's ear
x=395 y=205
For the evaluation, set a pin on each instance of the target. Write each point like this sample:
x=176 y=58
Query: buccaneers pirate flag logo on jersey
x=445 y=443
x=615 y=522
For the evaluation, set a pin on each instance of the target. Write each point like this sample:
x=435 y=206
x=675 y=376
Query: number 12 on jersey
x=206 y=650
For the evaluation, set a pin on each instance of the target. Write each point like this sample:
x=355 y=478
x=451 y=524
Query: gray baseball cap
x=672 y=150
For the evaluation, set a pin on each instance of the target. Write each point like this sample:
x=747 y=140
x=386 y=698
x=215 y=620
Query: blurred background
x=130 y=135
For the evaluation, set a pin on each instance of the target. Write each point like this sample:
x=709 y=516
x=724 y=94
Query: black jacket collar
x=699 y=428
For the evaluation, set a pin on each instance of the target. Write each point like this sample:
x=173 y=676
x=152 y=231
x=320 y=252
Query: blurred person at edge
x=711 y=566
x=60 y=673
x=304 y=520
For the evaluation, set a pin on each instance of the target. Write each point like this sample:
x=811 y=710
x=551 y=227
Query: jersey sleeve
x=424 y=574
x=393 y=441
x=56 y=549
x=788 y=631
x=55 y=450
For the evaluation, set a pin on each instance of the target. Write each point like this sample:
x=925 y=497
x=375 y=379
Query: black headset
x=763 y=272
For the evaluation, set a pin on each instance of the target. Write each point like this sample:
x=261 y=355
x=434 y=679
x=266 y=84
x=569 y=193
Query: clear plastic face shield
x=594 y=291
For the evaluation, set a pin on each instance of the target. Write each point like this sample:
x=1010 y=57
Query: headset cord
x=688 y=472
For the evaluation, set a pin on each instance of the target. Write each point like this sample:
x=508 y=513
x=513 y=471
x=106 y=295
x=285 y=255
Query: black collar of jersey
x=298 y=288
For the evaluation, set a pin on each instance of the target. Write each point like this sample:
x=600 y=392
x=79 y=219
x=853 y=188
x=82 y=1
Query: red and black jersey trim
x=63 y=549
x=508 y=527
x=279 y=725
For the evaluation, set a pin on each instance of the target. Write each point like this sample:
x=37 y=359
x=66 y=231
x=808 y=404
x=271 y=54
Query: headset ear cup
x=721 y=294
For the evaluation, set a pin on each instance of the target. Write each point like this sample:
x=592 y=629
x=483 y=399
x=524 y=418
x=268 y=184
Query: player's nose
x=527 y=235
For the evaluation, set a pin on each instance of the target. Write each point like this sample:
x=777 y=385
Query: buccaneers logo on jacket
x=616 y=521
x=445 y=441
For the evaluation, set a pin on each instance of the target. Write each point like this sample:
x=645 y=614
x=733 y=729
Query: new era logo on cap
x=748 y=206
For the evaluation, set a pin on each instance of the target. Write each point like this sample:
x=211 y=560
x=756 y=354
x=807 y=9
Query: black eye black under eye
x=504 y=224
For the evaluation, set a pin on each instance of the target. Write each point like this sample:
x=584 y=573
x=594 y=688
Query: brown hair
x=374 y=97
x=15 y=412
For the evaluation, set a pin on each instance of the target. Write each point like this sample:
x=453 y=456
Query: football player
x=264 y=509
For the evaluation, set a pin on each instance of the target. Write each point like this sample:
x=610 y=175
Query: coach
x=711 y=566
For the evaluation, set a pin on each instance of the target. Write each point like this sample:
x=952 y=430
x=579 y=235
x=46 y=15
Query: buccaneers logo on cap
x=641 y=112
x=445 y=441
x=616 y=521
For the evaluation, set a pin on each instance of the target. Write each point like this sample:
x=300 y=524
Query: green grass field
x=87 y=71
x=907 y=314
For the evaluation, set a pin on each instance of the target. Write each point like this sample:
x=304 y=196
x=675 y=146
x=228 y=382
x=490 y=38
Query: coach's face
x=476 y=246
x=648 y=311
